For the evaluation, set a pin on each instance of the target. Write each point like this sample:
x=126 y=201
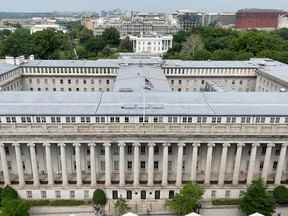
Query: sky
x=145 y=5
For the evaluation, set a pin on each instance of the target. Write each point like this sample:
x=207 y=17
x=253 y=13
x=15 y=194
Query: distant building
x=264 y=19
x=188 y=20
x=134 y=25
x=151 y=44
x=42 y=27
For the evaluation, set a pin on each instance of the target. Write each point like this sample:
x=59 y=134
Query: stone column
x=179 y=164
x=34 y=164
x=136 y=164
x=93 y=164
x=222 y=169
x=251 y=168
x=165 y=164
x=107 y=164
x=237 y=164
x=63 y=164
x=266 y=165
x=49 y=163
x=209 y=163
x=194 y=162
x=151 y=164
x=78 y=163
x=281 y=162
x=19 y=164
x=121 y=163
x=6 y=174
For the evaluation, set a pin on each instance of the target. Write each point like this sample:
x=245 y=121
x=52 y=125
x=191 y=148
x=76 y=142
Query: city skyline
x=148 y=5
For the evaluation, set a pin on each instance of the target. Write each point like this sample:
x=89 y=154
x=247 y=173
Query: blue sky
x=155 y=5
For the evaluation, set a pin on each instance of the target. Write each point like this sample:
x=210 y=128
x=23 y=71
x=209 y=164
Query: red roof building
x=258 y=19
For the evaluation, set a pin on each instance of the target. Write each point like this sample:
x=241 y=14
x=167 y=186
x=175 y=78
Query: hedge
x=226 y=201
x=34 y=203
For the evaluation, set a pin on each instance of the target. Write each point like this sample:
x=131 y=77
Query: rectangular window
x=143 y=149
x=227 y=194
x=58 y=194
x=43 y=194
x=72 y=194
x=142 y=165
x=129 y=165
x=157 y=194
x=129 y=195
x=156 y=165
x=29 y=194
x=116 y=165
x=86 y=194
x=171 y=194
x=143 y=195
x=114 y=194
x=129 y=149
x=213 y=194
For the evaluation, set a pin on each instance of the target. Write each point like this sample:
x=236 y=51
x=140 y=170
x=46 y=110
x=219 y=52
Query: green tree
x=280 y=194
x=223 y=55
x=187 y=200
x=257 y=199
x=14 y=207
x=49 y=43
x=8 y=193
x=126 y=45
x=121 y=207
x=95 y=45
x=18 y=43
x=202 y=55
x=111 y=36
x=99 y=197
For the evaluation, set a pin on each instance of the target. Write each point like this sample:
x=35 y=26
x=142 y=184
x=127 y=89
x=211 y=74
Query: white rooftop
x=137 y=103
x=6 y=68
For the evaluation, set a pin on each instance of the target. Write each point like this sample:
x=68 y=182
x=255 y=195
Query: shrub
x=9 y=193
x=280 y=194
x=15 y=207
x=57 y=202
x=99 y=197
x=226 y=201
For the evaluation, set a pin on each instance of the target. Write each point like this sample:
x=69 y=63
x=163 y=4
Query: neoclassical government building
x=139 y=128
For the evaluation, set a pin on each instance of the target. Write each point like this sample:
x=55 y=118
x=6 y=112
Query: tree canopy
x=99 y=197
x=257 y=199
x=121 y=207
x=228 y=44
x=78 y=43
x=280 y=194
x=187 y=200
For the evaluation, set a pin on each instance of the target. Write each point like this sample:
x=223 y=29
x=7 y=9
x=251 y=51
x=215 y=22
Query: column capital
x=270 y=145
x=151 y=144
x=32 y=145
x=256 y=144
x=241 y=144
x=2 y=144
x=136 y=144
x=196 y=144
x=77 y=144
x=285 y=145
x=106 y=144
x=226 y=144
x=91 y=144
x=61 y=144
x=16 y=144
x=211 y=145
x=181 y=144
x=121 y=144
x=166 y=144
x=47 y=144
